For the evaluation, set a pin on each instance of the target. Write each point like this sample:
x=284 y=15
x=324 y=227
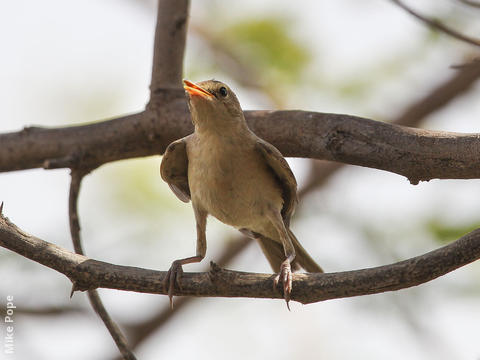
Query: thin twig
x=308 y=288
x=46 y=311
x=470 y=3
x=438 y=25
x=93 y=296
x=75 y=183
x=458 y=84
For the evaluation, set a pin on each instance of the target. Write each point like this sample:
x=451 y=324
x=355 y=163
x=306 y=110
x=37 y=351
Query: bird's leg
x=174 y=274
x=285 y=274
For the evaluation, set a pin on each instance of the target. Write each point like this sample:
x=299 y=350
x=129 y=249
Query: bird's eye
x=223 y=91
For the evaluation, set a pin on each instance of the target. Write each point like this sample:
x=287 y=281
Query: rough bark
x=414 y=153
x=89 y=274
x=169 y=45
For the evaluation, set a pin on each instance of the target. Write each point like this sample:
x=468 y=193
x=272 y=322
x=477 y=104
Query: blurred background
x=71 y=62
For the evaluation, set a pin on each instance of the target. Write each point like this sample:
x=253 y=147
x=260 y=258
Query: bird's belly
x=234 y=192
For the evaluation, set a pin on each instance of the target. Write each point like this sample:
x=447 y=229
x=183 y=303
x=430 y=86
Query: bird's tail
x=275 y=254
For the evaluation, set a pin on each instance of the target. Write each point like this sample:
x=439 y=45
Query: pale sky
x=66 y=62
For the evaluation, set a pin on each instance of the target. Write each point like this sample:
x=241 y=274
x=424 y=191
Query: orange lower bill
x=194 y=89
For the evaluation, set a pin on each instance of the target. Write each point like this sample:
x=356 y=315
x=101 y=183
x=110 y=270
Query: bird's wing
x=174 y=169
x=284 y=175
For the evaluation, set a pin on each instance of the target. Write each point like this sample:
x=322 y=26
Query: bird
x=228 y=172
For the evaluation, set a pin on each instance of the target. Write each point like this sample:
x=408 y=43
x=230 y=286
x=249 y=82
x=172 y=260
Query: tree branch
x=138 y=332
x=321 y=171
x=438 y=25
x=414 y=153
x=47 y=311
x=83 y=145
x=169 y=45
x=460 y=82
x=439 y=97
x=470 y=3
x=76 y=180
x=308 y=288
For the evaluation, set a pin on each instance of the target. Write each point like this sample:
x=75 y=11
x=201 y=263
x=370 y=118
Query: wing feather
x=284 y=175
x=174 y=169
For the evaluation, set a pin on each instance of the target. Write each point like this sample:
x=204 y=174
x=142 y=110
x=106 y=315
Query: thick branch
x=88 y=273
x=88 y=145
x=169 y=45
x=461 y=81
x=414 y=153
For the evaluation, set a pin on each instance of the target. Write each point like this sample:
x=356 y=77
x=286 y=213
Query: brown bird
x=230 y=173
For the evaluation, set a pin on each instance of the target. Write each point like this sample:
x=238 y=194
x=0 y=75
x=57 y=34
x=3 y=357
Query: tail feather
x=275 y=254
x=303 y=257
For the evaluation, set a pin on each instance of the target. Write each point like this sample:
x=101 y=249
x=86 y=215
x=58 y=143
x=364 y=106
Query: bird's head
x=213 y=103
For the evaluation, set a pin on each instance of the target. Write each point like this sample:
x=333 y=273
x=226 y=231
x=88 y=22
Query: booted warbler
x=233 y=175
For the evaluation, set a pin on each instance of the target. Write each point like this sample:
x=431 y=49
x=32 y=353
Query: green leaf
x=444 y=233
x=268 y=45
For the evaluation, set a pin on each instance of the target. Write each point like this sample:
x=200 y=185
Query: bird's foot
x=285 y=277
x=174 y=276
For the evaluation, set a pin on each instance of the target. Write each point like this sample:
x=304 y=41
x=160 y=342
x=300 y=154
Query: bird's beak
x=195 y=90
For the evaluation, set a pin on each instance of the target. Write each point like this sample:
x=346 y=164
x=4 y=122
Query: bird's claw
x=285 y=277
x=174 y=276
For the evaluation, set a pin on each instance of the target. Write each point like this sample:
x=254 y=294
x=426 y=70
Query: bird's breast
x=232 y=182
